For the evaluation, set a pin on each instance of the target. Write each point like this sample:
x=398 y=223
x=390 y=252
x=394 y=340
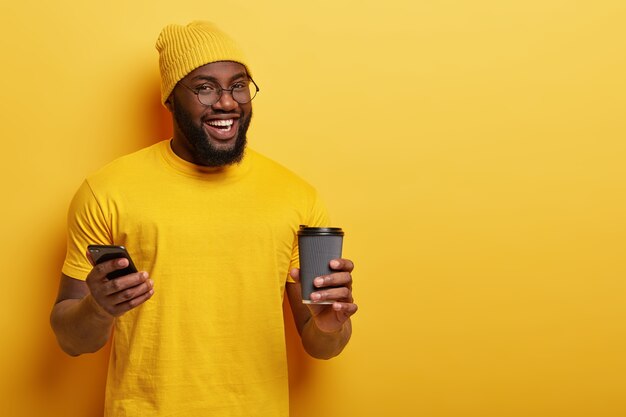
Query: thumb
x=295 y=274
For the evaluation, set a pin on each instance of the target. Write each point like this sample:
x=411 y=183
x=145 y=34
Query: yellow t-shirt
x=218 y=245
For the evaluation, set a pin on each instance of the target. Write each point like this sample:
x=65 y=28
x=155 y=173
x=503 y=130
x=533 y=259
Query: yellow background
x=474 y=152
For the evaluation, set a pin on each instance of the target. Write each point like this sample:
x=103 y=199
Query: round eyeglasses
x=210 y=93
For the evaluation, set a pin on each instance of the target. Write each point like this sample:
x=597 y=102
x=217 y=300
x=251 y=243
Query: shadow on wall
x=157 y=119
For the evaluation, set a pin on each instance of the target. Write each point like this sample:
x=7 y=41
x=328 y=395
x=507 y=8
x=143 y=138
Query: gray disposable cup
x=317 y=247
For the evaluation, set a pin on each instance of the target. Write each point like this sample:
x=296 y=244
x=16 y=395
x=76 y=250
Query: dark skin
x=85 y=311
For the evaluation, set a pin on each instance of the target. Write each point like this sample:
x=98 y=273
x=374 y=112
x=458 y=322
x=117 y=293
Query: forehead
x=225 y=71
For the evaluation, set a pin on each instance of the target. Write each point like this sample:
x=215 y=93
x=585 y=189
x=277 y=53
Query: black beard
x=204 y=152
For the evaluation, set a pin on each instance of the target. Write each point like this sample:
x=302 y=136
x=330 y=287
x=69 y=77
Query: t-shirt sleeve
x=318 y=217
x=86 y=225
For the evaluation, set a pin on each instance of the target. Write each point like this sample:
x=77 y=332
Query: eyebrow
x=242 y=74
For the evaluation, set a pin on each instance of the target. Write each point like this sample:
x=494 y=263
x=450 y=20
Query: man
x=212 y=226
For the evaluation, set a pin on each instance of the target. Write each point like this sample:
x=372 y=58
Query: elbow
x=69 y=351
x=67 y=341
x=323 y=352
x=322 y=345
x=73 y=350
x=321 y=356
x=65 y=346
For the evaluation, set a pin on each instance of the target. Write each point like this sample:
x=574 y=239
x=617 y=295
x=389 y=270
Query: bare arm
x=325 y=329
x=78 y=322
x=84 y=312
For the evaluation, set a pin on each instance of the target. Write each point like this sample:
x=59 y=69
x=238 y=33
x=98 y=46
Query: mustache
x=213 y=113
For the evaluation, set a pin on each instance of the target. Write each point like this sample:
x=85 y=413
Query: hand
x=336 y=287
x=115 y=297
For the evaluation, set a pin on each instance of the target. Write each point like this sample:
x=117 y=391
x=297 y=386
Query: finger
x=89 y=258
x=132 y=292
x=332 y=294
x=338 y=279
x=133 y=303
x=295 y=274
x=346 y=309
x=125 y=283
x=101 y=270
x=342 y=265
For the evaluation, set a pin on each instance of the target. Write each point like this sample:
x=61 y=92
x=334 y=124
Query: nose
x=226 y=101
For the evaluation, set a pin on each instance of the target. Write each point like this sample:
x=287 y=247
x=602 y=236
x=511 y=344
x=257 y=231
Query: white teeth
x=227 y=122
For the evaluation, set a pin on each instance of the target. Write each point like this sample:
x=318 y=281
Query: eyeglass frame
x=221 y=91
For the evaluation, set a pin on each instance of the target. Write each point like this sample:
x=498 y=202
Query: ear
x=169 y=105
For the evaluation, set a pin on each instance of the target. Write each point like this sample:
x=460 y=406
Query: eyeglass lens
x=241 y=94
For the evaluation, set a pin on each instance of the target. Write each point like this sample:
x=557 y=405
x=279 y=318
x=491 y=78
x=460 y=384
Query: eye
x=239 y=85
x=206 y=88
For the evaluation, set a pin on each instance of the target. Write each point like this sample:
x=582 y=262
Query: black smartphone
x=103 y=253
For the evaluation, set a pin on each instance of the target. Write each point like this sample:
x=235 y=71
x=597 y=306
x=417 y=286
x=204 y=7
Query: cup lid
x=319 y=231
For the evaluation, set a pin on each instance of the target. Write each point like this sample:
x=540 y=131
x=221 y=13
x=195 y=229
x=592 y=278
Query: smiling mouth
x=223 y=125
